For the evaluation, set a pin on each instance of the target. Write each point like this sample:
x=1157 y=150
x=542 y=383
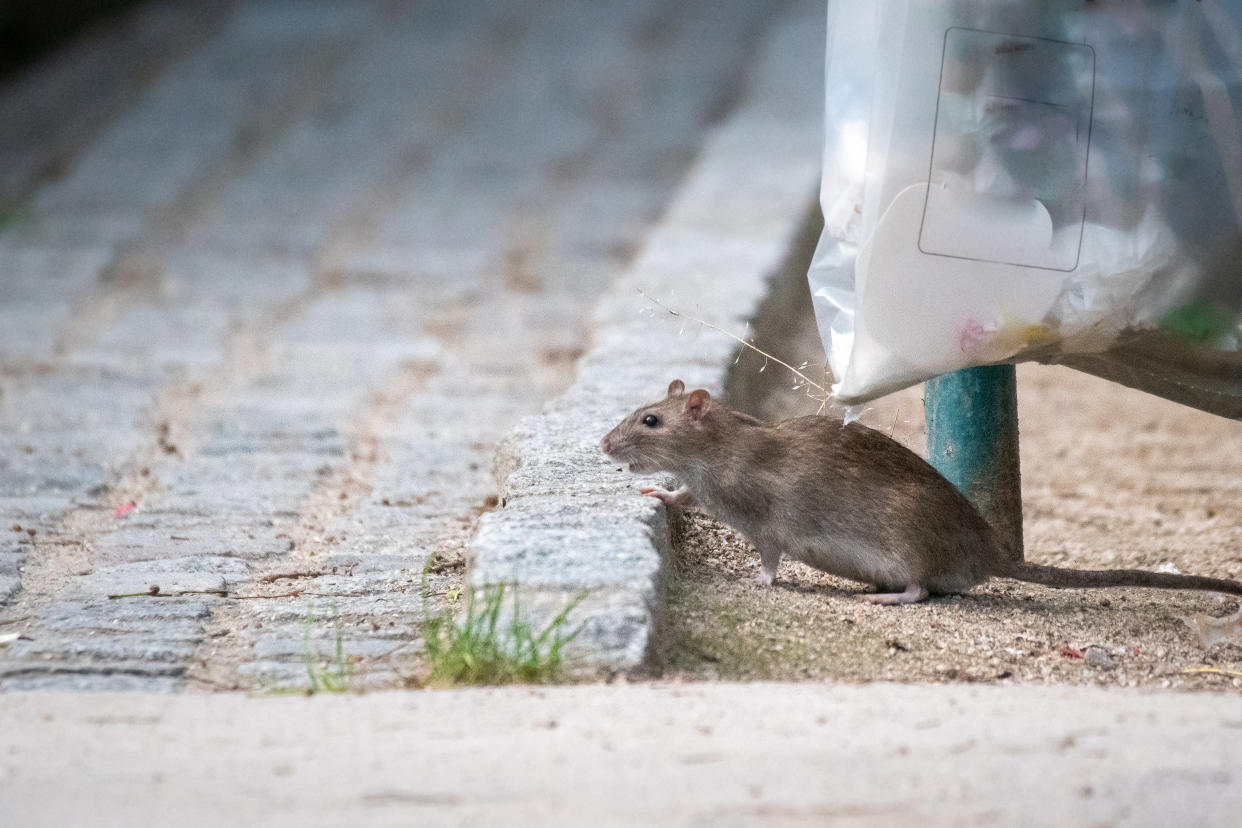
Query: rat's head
x=663 y=435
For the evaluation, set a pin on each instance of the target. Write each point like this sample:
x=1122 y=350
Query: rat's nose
x=604 y=446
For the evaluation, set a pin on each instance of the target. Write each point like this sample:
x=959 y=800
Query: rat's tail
x=1053 y=576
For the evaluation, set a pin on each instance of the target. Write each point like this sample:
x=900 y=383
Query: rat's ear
x=676 y=388
x=697 y=404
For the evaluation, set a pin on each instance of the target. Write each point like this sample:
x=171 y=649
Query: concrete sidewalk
x=693 y=755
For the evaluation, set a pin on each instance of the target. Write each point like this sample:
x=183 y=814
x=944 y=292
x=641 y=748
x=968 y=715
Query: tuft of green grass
x=326 y=678
x=478 y=648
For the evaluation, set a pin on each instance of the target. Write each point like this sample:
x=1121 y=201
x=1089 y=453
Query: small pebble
x=1098 y=657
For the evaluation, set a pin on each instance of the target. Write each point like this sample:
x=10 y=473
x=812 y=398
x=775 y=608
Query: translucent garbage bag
x=1053 y=181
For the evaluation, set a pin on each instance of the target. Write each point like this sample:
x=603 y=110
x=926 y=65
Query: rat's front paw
x=681 y=497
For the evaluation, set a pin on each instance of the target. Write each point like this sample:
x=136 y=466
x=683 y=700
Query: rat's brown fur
x=842 y=498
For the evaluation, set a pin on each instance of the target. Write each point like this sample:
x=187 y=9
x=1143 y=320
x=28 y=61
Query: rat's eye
x=651 y=421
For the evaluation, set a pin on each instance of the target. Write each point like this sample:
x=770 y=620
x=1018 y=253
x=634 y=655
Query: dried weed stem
x=823 y=396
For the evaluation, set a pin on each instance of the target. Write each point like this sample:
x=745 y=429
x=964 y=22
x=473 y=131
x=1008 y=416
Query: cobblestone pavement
x=268 y=305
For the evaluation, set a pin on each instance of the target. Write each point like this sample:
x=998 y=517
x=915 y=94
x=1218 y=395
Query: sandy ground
x=1112 y=478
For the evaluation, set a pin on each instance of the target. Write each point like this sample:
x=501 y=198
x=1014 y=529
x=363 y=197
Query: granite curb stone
x=571 y=523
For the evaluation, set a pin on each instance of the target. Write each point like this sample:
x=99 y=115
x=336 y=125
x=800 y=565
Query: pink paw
x=659 y=494
x=681 y=497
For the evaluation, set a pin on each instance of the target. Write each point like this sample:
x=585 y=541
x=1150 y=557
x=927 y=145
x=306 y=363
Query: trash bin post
x=972 y=439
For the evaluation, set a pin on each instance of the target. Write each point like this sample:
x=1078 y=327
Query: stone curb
x=571 y=525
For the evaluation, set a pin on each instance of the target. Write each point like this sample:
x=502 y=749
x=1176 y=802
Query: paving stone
x=35 y=478
x=104 y=654
x=197 y=573
x=35 y=511
x=268 y=484
x=246 y=285
x=322 y=442
x=272 y=675
x=280 y=647
x=177 y=536
x=407 y=541
x=130 y=679
x=186 y=338
x=170 y=617
x=388 y=610
x=388 y=556
x=98 y=644
x=570 y=545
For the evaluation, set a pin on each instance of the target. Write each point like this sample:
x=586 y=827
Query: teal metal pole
x=972 y=439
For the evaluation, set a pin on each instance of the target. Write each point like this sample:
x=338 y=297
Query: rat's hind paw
x=913 y=594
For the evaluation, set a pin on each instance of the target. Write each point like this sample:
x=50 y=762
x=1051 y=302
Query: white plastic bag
x=1061 y=181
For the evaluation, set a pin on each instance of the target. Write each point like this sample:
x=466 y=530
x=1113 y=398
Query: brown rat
x=842 y=498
